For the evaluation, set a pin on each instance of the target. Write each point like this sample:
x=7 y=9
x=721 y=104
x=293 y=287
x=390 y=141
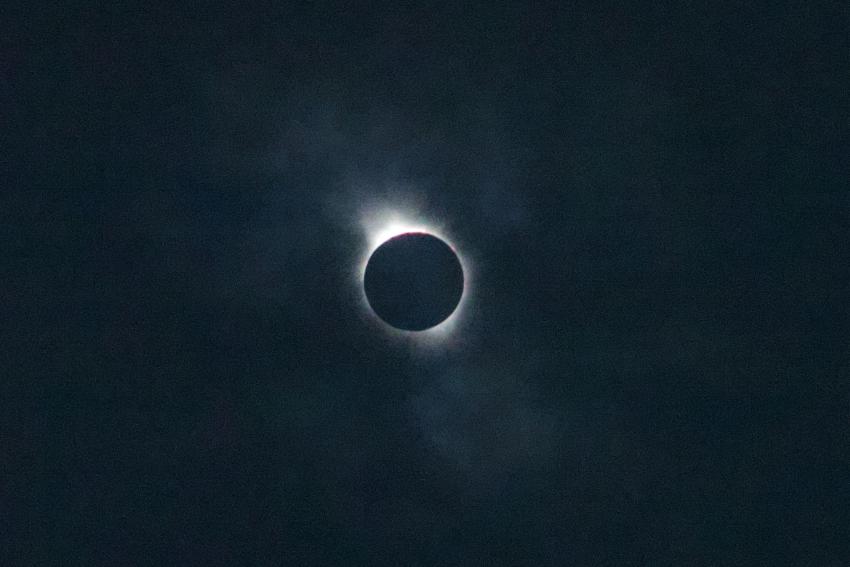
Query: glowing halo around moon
x=382 y=225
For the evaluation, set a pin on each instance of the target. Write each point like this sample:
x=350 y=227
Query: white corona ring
x=378 y=226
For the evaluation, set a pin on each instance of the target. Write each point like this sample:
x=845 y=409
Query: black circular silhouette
x=413 y=281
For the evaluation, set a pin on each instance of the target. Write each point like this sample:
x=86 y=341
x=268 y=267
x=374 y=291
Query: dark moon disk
x=414 y=281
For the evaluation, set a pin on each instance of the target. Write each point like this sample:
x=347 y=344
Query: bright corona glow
x=382 y=225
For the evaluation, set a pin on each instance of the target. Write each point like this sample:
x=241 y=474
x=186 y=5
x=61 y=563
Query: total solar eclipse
x=413 y=281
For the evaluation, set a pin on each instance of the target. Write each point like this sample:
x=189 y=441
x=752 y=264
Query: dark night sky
x=655 y=367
